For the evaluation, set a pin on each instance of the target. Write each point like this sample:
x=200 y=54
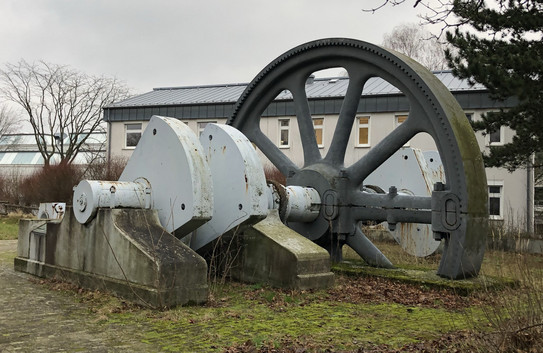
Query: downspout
x=106 y=112
x=530 y=195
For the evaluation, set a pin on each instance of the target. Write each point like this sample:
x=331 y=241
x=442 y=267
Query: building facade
x=381 y=109
x=20 y=155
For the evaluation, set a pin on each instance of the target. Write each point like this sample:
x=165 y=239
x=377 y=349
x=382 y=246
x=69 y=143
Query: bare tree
x=63 y=106
x=9 y=120
x=435 y=12
x=417 y=43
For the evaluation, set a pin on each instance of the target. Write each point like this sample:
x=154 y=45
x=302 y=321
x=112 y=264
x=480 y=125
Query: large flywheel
x=457 y=209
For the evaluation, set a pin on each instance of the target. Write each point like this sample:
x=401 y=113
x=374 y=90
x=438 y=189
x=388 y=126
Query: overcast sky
x=164 y=43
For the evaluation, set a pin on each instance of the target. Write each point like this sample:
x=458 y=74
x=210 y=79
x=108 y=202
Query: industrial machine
x=144 y=234
x=456 y=209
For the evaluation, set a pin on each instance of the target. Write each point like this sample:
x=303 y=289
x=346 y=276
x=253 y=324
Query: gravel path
x=36 y=319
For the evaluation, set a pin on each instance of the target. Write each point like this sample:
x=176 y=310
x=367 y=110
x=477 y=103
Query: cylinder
x=295 y=203
x=89 y=195
x=303 y=204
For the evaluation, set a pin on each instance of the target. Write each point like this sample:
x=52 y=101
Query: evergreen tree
x=497 y=43
x=504 y=52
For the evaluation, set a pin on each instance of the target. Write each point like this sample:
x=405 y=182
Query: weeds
x=223 y=257
x=516 y=317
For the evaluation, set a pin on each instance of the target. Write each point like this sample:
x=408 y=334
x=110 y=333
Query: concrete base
x=274 y=254
x=124 y=251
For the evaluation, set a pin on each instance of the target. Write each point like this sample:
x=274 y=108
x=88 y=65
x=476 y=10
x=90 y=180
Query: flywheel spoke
x=340 y=140
x=381 y=152
x=367 y=250
x=305 y=124
x=270 y=150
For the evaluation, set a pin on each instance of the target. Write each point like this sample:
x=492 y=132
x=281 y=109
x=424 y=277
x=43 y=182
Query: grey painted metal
x=367 y=250
x=171 y=159
x=89 y=195
x=409 y=171
x=239 y=185
x=432 y=110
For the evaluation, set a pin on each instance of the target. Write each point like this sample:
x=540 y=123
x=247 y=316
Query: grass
x=237 y=315
x=240 y=314
x=9 y=226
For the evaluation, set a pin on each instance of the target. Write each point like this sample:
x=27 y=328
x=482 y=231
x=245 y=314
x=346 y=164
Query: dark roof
x=325 y=96
x=229 y=93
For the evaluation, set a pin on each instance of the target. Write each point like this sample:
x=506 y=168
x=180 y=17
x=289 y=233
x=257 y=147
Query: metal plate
x=170 y=157
x=239 y=184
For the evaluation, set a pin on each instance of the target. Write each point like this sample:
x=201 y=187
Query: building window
x=495 y=199
x=363 y=128
x=399 y=120
x=318 y=125
x=202 y=125
x=284 y=133
x=132 y=134
x=495 y=138
x=469 y=116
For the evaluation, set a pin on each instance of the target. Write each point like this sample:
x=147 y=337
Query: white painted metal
x=239 y=184
x=89 y=195
x=433 y=161
x=51 y=210
x=171 y=159
x=274 y=199
x=301 y=204
x=409 y=172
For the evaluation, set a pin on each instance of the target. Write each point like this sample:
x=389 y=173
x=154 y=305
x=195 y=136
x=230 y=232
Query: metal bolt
x=82 y=202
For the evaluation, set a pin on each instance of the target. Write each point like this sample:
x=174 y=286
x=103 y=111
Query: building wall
x=514 y=196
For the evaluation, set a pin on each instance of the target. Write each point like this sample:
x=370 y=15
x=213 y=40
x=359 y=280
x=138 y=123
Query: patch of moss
x=326 y=324
x=427 y=277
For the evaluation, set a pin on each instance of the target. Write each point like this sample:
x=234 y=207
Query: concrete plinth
x=274 y=254
x=124 y=251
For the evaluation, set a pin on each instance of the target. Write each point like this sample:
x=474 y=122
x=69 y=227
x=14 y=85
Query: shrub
x=55 y=183
x=107 y=171
x=51 y=183
x=273 y=174
x=9 y=187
